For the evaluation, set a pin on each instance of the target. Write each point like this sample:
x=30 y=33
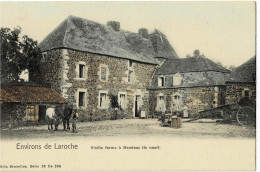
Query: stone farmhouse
x=242 y=82
x=93 y=66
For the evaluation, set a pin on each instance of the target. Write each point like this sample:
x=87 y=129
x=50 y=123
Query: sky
x=222 y=31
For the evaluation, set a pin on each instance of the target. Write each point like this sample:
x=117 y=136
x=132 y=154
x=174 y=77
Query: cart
x=243 y=112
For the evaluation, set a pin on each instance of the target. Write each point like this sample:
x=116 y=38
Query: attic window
x=44 y=56
x=130 y=63
x=161 y=81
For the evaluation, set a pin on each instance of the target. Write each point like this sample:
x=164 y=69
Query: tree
x=17 y=54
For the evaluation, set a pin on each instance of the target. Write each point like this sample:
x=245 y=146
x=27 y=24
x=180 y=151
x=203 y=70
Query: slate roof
x=192 y=64
x=245 y=72
x=29 y=94
x=161 y=45
x=85 y=35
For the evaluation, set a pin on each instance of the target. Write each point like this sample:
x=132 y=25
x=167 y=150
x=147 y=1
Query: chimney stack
x=114 y=25
x=143 y=32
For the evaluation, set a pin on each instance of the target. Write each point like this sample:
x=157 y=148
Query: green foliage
x=114 y=101
x=17 y=54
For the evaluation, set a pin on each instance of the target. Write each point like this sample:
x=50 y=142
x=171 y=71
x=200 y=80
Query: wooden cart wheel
x=246 y=116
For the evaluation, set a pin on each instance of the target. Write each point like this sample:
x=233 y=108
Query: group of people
x=55 y=114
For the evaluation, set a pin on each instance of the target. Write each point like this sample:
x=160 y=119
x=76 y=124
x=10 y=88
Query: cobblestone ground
x=134 y=127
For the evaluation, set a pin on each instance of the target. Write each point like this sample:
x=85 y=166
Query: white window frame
x=164 y=102
x=160 y=84
x=44 y=57
x=99 y=99
x=77 y=98
x=119 y=102
x=174 y=101
x=174 y=77
x=78 y=64
x=107 y=71
x=132 y=79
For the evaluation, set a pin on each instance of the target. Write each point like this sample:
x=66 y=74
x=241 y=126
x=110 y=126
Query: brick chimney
x=143 y=32
x=114 y=25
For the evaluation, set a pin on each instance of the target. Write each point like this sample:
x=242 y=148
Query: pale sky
x=222 y=31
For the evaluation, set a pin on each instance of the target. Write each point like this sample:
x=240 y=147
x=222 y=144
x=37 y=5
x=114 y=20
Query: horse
x=51 y=118
x=67 y=112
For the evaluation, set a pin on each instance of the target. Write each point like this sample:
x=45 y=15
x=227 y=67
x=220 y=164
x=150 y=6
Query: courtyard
x=206 y=128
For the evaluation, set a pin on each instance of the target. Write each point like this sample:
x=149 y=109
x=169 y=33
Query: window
x=103 y=100
x=177 y=102
x=176 y=97
x=177 y=79
x=81 y=99
x=122 y=100
x=130 y=76
x=44 y=56
x=246 y=93
x=130 y=63
x=161 y=81
x=103 y=73
x=161 y=104
x=81 y=71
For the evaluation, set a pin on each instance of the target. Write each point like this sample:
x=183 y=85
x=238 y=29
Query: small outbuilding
x=24 y=102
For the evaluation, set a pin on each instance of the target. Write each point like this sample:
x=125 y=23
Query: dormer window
x=44 y=56
x=161 y=81
x=177 y=79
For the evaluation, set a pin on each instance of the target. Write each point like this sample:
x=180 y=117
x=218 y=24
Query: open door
x=42 y=112
x=137 y=105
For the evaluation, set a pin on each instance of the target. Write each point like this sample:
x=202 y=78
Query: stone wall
x=195 y=98
x=50 y=70
x=64 y=80
x=236 y=91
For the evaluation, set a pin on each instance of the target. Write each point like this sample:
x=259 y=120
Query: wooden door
x=32 y=113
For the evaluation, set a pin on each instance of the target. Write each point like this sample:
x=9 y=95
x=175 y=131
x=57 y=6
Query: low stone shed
x=26 y=102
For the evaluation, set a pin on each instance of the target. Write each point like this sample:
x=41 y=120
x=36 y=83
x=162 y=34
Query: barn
x=26 y=102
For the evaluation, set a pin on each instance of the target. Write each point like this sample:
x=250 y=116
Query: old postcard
x=128 y=86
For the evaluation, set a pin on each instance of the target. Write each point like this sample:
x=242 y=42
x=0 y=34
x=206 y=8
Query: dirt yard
x=134 y=127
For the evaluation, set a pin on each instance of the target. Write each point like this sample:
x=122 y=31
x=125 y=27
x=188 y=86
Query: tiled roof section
x=85 y=35
x=193 y=79
x=29 y=94
x=244 y=73
x=161 y=45
x=191 y=64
